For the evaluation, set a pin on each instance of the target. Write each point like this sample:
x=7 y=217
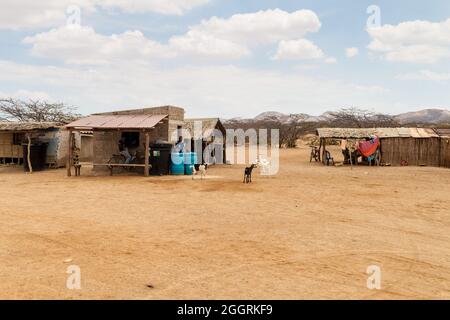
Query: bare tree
x=36 y=110
x=289 y=132
x=360 y=118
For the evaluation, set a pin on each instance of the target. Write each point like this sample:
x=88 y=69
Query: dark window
x=18 y=138
x=130 y=139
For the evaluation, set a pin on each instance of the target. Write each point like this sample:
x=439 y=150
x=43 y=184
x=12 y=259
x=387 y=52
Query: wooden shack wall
x=416 y=151
x=445 y=152
x=87 y=147
x=106 y=143
x=7 y=148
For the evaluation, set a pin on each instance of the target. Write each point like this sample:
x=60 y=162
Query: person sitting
x=180 y=146
x=123 y=150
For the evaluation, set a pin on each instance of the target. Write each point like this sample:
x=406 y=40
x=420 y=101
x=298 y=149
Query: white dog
x=201 y=170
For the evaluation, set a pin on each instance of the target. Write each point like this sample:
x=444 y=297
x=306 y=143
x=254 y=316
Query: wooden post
x=30 y=167
x=324 y=150
x=147 y=154
x=351 y=158
x=70 y=155
x=320 y=150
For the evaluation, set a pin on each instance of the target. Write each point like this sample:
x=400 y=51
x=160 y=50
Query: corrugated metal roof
x=208 y=124
x=361 y=133
x=139 y=121
x=445 y=133
x=27 y=126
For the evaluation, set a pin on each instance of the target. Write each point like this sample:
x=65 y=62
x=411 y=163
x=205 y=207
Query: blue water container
x=190 y=159
x=188 y=169
x=177 y=164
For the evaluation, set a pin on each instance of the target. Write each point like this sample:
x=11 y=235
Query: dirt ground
x=309 y=232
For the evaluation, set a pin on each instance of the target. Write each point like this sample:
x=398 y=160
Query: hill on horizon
x=425 y=116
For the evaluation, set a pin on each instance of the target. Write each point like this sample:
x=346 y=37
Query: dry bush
x=36 y=111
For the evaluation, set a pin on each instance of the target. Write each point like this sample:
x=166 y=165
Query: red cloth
x=368 y=148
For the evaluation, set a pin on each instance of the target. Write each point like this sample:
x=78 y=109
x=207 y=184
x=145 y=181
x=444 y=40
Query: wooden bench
x=111 y=166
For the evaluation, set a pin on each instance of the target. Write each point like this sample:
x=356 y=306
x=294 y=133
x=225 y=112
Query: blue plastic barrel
x=177 y=164
x=190 y=159
x=188 y=169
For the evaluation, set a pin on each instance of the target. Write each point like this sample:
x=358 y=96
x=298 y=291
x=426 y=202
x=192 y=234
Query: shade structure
x=140 y=121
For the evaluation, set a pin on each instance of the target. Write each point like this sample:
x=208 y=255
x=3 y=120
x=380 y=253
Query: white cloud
x=412 y=41
x=230 y=38
x=262 y=27
x=82 y=45
x=330 y=60
x=30 y=14
x=175 y=7
x=351 y=52
x=26 y=95
x=196 y=88
x=236 y=35
x=425 y=75
x=204 y=44
x=301 y=49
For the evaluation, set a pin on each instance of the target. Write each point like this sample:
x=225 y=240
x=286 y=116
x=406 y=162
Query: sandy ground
x=310 y=232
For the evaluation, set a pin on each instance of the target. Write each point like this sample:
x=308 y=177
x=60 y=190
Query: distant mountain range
x=426 y=116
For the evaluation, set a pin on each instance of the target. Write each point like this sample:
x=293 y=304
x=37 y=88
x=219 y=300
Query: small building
x=14 y=134
x=133 y=125
x=412 y=146
x=208 y=130
x=140 y=128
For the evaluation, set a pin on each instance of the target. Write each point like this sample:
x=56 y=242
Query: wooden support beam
x=147 y=154
x=320 y=150
x=324 y=150
x=70 y=154
x=30 y=167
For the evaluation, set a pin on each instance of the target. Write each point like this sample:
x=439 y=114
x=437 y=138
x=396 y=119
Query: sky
x=228 y=58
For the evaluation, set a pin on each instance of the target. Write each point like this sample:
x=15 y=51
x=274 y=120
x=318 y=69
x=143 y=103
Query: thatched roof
x=362 y=133
x=27 y=126
x=208 y=125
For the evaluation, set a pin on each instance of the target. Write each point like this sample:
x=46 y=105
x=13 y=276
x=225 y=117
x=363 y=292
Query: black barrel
x=38 y=156
x=160 y=158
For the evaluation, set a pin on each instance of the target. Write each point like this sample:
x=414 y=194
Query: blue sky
x=227 y=58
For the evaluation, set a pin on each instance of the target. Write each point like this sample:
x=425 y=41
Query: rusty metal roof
x=137 y=121
x=362 y=133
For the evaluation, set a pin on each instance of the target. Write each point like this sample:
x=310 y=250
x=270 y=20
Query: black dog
x=248 y=173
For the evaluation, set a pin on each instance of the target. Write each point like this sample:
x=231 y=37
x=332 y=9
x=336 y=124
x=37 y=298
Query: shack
x=136 y=128
x=398 y=146
x=14 y=134
x=211 y=133
x=444 y=134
